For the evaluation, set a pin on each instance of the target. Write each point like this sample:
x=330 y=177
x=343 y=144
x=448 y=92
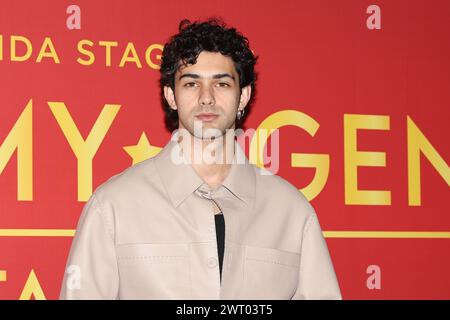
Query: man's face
x=208 y=94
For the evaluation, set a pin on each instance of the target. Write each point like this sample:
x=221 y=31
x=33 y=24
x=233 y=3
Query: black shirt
x=220 y=235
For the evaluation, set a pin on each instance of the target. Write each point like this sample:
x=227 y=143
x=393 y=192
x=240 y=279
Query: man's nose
x=206 y=96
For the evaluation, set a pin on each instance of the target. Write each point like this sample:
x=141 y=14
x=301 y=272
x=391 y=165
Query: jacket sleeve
x=91 y=270
x=317 y=279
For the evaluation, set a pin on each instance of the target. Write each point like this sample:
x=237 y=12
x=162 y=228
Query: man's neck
x=211 y=159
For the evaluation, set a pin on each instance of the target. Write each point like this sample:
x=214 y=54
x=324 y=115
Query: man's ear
x=170 y=97
x=246 y=93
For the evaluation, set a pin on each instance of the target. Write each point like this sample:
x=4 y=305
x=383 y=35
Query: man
x=198 y=221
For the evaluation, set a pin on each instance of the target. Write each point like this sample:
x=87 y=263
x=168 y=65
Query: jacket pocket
x=154 y=271
x=270 y=273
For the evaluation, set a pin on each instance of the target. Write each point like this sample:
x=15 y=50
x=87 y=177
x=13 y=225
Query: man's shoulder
x=280 y=189
x=129 y=181
x=276 y=183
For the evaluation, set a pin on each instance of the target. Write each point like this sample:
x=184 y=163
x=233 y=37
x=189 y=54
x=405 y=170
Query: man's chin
x=207 y=131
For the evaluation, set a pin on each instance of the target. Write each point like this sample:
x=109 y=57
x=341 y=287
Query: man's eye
x=189 y=84
x=223 y=84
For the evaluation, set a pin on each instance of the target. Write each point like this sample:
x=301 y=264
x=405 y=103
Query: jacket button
x=212 y=263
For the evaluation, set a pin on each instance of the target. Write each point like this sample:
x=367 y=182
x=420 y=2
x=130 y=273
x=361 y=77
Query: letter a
x=374 y=21
x=74 y=20
x=374 y=281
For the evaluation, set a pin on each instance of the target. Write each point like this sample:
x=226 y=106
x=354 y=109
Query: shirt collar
x=241 y=180
x=180 y=180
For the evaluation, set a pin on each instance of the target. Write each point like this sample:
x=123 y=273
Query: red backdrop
x=381 y=74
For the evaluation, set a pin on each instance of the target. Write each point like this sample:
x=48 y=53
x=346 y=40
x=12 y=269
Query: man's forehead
x=208 y=64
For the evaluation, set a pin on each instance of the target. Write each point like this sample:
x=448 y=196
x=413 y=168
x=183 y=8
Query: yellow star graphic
x=143 y=150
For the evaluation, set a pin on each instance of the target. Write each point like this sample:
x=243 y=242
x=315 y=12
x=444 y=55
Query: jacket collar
x=180 y=179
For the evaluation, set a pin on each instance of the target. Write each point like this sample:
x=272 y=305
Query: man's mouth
x=207 y=117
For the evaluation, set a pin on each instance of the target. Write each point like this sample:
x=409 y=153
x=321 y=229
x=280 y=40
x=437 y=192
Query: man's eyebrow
x=189 y=75
x=223 y=75
x=196 y=76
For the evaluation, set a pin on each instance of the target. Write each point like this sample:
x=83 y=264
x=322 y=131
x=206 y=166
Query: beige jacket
x=147 y=233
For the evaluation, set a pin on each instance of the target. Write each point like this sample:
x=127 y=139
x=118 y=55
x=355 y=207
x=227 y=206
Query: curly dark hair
x=211 y=35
